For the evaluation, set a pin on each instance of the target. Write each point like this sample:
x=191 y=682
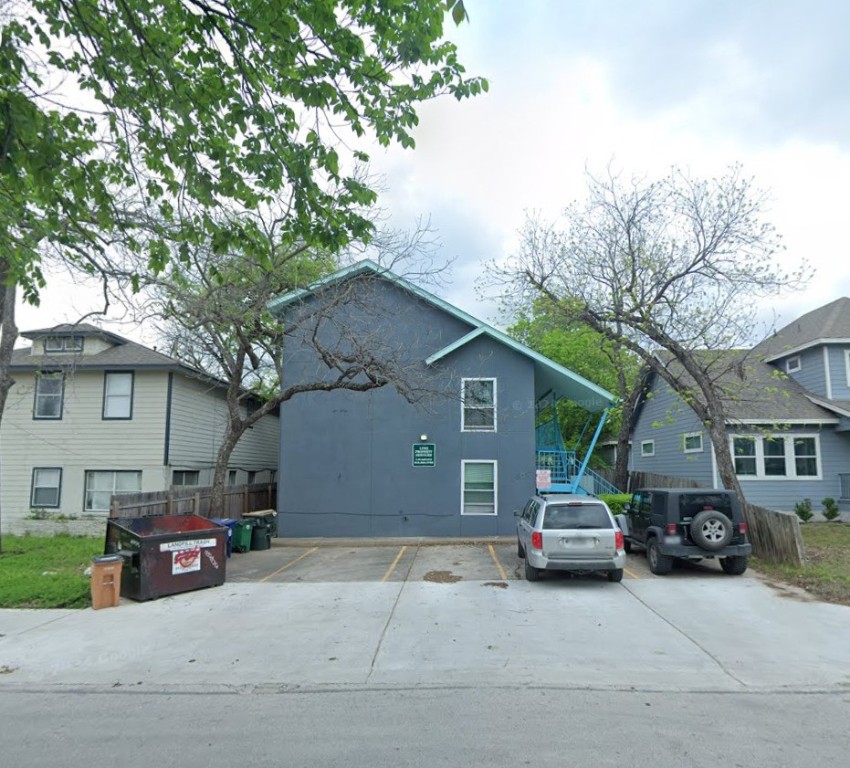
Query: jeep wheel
x=615 y=575
x=531 y=573
x=659 y=564
x=520 y=551
x=734 y=566
x=711 y=530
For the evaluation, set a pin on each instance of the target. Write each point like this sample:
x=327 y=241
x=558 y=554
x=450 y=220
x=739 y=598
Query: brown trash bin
x=106 y=581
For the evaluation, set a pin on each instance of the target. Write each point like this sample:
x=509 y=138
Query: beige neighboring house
x=92 y=414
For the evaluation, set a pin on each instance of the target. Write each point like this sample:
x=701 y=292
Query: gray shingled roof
x=829 y=322
x=124 y=353
x=756 y=391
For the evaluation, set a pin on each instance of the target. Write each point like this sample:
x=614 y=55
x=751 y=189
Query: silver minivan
x=569 y=533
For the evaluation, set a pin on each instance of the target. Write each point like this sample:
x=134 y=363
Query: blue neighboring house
x=788 y=417
x=461 y=460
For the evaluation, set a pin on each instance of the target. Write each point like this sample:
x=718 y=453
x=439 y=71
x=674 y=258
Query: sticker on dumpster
x=175 y=546
x=186 y=561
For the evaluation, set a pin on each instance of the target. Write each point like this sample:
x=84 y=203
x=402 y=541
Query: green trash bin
x=242 y=535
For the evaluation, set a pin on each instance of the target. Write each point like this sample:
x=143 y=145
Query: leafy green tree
x=580 y=348
x=131 y=121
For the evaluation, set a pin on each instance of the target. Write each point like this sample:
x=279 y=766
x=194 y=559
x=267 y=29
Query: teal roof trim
x=550 y=374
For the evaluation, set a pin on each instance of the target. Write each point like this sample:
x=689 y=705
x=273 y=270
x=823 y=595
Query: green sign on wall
x=424 y=455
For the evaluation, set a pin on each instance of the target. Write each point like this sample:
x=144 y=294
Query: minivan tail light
x=671 y=529
x=618 y=539
x=537 y=540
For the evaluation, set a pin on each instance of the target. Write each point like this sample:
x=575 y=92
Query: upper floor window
x=63 y=344
x=773 y=457
x=647 y=448
x=118 y=395
x=847 y=365
x=49 y=391
x=793 y=364
x=478 y=406
x=693 y=442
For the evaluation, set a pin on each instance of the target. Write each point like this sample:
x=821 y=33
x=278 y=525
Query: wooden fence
x=775 y=535
x=190 y=500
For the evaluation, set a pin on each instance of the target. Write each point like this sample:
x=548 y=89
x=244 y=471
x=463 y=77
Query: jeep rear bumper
x=677 y=549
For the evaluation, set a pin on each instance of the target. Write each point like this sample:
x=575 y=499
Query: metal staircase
x=558 y=469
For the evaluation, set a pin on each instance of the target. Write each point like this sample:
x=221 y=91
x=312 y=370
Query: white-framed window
x=647 y=448
x=63 y=344
x=692 y=442
x=776 y=457
x=793 y=364
x=102 y=484
x=847 y=365
x=46 y=487
x=231 y=477
x=479 y=487
x=49 y=395
x=185 y=477
x=478 y=405
x=118 y=395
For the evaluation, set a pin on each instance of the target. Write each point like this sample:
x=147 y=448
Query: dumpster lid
x=107 y=559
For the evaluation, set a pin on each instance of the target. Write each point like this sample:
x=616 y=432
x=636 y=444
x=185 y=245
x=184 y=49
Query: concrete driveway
x=316 y=617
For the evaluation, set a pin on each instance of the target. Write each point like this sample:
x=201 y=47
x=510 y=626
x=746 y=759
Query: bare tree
x=212 y=311
x=669 y=269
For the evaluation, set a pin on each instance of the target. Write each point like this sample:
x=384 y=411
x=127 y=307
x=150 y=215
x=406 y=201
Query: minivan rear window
x=565 y=516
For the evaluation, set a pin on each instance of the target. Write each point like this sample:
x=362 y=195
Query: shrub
x=830 y=508
x=615 y=501
x=804 y=510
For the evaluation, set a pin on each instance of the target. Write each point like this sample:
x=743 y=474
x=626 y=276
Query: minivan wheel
x=615 y=575
x=531 y=573
x=659 y=564
x=520 y=550
x=734 y=566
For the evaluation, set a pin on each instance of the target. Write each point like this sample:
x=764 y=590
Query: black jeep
x=689 y=523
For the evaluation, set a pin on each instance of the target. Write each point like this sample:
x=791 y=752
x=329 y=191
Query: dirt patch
x=789 y=591
x=441 y=577
x=497 y=584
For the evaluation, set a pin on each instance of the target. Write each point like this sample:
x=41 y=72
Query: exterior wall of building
x=664 y=422
x=197 y=423
x=839 y=371
x=80 y=441
x=346 y=459
x=812 y=373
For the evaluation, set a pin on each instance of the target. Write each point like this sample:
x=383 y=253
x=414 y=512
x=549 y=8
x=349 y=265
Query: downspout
x=577 y=480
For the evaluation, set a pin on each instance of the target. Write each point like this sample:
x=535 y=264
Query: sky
x=577 y=85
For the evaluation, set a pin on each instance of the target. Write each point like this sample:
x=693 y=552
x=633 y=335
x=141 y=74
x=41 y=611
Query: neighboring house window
x=478 y=412
x=46 y=487
x=49 y=389
x=647 y=448
x=693 y=442
x=185 y=477
x=847 y=365
x=272 y=475
x=793 y=364
x=101 y=485
x=479 y=488
x=118 y=395
x=231 y=477
x=252 y=478
x=776 y=456
x=63 y=344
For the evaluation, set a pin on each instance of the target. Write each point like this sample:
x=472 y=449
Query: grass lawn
x=827 y=574
x=47 y=571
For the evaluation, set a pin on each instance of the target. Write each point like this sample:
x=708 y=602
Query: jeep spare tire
x=711 y=530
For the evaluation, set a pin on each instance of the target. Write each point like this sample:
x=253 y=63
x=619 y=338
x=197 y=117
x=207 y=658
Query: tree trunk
x=225 y=450
x=621 y=466
x=8 y=336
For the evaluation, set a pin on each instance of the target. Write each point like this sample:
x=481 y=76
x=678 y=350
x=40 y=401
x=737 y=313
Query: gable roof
x=755 y=392
x=827 y=324
x=548 y=373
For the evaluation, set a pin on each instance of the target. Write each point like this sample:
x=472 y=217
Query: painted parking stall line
x=290 y=564
x=495 y=557
x=394 y=563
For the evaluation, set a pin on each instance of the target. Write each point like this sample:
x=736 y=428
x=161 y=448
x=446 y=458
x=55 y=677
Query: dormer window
x=63 y=344
x=793 y=364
